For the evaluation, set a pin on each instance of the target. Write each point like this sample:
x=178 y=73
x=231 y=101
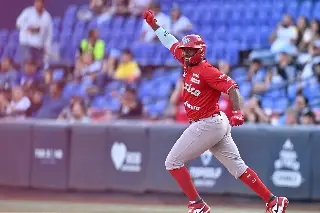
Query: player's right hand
x=148 y=15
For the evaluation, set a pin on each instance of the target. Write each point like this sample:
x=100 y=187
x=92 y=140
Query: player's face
x=188 y=53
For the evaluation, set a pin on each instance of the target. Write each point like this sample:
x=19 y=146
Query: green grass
x=68 y=207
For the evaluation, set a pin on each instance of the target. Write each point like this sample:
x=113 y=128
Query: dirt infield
x=23 y=200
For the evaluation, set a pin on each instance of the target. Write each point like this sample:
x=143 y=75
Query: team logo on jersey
x=191 y=89
x=194 y=80
x=185 y=40
x=195 y=75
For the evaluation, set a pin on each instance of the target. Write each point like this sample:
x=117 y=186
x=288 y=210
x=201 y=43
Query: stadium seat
x=245 y=89
x=99 y=102
x=292 y=9
x=305 y=9
x=239 y=74
x=316 y=11
x=280 y=105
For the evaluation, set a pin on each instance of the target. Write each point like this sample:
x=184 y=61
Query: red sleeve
x=218 y=80
x=176 y=52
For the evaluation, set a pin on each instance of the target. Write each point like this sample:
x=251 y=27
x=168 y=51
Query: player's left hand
x=237 y=118
x=149 y=16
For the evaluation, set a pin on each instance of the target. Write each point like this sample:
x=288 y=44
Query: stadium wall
x=129 y=156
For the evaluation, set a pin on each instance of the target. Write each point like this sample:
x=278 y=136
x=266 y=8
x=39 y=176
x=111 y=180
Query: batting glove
x=237 y=118
x=148 y=15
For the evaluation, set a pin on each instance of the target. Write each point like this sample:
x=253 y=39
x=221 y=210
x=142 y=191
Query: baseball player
x=209 y=127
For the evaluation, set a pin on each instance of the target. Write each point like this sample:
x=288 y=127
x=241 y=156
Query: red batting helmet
x=196 y=42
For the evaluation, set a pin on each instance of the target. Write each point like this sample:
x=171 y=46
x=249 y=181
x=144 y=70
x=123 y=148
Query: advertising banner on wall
x=127 y=151
x=208 y=174
x=50 y=156
x=290 y=165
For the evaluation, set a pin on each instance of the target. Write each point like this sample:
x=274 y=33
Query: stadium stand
x=230 y=28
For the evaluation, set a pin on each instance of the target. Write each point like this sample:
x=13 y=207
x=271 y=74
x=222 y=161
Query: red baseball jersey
x=203 y=85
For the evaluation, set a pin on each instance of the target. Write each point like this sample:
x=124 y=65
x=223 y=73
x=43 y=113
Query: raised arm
x=165 y=38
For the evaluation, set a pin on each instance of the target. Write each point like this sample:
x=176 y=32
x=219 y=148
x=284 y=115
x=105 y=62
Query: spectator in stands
x=101 y=9
x=93 y=45
x=314 y=58
x=8 y=73
x=52 y=104
x=147 y=34
x=29 y=75
x=66 y=112
x=131 y=106
x=256 y=73
x=79 y=112
x=4 y=101
x=284 y=71
x=35 y=25
x=285 y=36
x=291 y=117
x=176 y=105
x=121 y=7
x=75 y=112
x=180 y=23
x=285 y=68
x=137 y=7
x=128 y=69
x=301 y=104
x=302 y=27
x=36 y=102
x=19 y=104
x=254 y=113
x=85 y=65
x=310 y=35
x=307 y=117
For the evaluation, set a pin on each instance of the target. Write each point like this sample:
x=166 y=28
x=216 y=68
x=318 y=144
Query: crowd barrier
x=129 y=156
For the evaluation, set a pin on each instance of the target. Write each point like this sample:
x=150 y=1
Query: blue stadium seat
x=234 y=34
x=57 y=22
x=117 y=22
x=220 y=34
x=219 y=50
x=280 y=105
x=245 y=89
x=263 y=18
x=267 y=103
x=316 y=11
x=146 y=89
x=248 y=18
x=163 y=90
x=292 y=9
x=249 y=38
x=239 y=74
x=99 y=102
x=232 y=53
x=305 y=9
x=264 y=34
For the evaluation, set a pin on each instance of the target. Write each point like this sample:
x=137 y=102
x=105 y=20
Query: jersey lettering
x=191 y=107
x=191 y=89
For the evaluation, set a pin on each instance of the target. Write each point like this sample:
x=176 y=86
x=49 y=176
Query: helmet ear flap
x=197 y=58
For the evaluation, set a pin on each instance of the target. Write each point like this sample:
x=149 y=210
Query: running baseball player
x=209 y=127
